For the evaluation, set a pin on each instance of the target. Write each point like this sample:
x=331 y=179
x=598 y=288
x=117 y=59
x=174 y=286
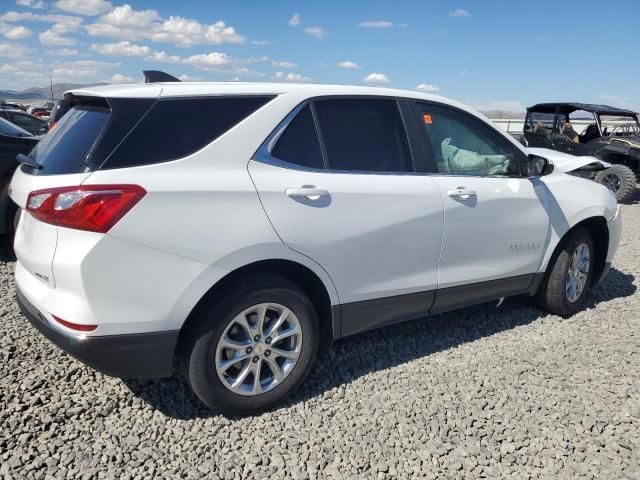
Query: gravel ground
x=482 y=392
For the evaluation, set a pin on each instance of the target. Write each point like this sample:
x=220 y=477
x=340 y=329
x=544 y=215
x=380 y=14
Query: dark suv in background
x=611 y=134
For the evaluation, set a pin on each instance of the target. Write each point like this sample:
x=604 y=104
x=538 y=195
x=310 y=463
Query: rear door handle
x=310 y=193
x=461 y=192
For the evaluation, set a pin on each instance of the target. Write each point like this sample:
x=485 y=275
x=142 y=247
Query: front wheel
x=253 y=347
x=620 y=179
x=568 y=277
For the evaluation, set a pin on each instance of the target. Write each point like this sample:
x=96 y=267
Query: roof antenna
x=155 y=76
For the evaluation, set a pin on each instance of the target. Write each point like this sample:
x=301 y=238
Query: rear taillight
x=95 y=208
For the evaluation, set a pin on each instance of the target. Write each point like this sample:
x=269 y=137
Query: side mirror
x=537 y=166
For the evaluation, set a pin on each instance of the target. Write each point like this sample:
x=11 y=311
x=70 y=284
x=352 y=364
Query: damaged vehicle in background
x=611 y=135
x=13 y=141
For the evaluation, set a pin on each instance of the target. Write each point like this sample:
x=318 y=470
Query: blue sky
x=491 y=54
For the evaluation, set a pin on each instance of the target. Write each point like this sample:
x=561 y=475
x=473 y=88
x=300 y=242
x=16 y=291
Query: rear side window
x=177 y=127
x=364 y=135
x=65 y=149
x=299 y=144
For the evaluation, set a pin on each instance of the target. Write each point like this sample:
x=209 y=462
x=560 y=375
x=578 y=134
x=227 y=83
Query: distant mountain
x=504 y=114
x=43 y=93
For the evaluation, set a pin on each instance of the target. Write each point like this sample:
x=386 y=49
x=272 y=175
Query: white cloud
x=460 y=12
x=284 y=64
x=348 y=64
x=464 y=71
x=53 y=37
x=260 y=42
x=317 y=32
x=31 y=4
x=120 y=78
x=13 y=50
x=294 y=21
x=428 y=87
x=163 y=57
x=62 y=24
x=16 y=33
x=126 y=49
x=376 y=78
x=125 y=16
x=376 y=24
x=84 y=7
x=213 y=60
x=64 y=52
x=6 y=68
x=128 y=24
x=292 y=77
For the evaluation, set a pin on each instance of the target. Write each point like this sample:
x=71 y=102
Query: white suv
x=230 y=228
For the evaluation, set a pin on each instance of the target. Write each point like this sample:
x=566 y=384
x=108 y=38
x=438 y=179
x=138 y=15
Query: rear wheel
x=568 y=277
x=620 y=179
x=253 y=347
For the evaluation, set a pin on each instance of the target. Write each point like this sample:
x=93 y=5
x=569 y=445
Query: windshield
x=65 y=148
x=8 y=128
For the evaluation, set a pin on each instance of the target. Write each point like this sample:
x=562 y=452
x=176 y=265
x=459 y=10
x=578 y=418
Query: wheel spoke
x=224 y=366
x=237 y=382
x=262 y=313
x=275 y=369
x=229 y=343
x=285 y=334
x=257 y=388
x=244 y=323
x=278 y=323
x=290 y=354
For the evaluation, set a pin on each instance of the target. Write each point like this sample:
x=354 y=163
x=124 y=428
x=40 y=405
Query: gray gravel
x=482 y=392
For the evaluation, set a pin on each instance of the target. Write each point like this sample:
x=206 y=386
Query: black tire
x=213 y=319
x=620 y=179
x=552 y=294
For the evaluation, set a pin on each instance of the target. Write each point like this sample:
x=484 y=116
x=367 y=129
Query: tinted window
x=299 y=143
x=464 y=145
x=8 y=128
x=364 y=135
x=64 y=149
x=27 y=121
x=177 y=127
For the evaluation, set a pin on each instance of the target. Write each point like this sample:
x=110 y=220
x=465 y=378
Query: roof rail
x=154 y=76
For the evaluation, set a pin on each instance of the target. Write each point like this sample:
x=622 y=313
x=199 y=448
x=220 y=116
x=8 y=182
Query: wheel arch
x=301 y=275
x=597 y=226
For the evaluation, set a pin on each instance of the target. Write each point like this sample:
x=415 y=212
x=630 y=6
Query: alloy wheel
x=578 y=272
x=258 y=349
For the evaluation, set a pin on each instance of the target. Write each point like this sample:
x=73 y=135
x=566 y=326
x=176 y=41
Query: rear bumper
x=139 y=355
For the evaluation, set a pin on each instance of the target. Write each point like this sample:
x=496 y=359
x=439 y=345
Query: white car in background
x=234 y=227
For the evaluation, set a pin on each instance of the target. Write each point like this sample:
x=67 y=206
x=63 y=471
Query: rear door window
x=177 y=127
x=299 y=143
x=365 y=135
x=65 y=149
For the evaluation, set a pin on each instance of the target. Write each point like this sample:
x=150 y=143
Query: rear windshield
x=134 y=132
x=65 y=149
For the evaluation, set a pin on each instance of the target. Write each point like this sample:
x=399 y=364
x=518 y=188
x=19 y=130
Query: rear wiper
x=28 y=161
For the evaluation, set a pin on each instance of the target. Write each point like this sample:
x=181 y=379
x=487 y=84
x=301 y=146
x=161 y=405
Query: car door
x=496 y=226
x=350 y=199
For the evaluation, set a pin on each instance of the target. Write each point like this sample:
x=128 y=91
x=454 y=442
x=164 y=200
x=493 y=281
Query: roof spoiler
x=154 y=76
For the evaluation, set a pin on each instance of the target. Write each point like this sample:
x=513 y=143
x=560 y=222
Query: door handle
x=310 y=193
x=461 y=192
